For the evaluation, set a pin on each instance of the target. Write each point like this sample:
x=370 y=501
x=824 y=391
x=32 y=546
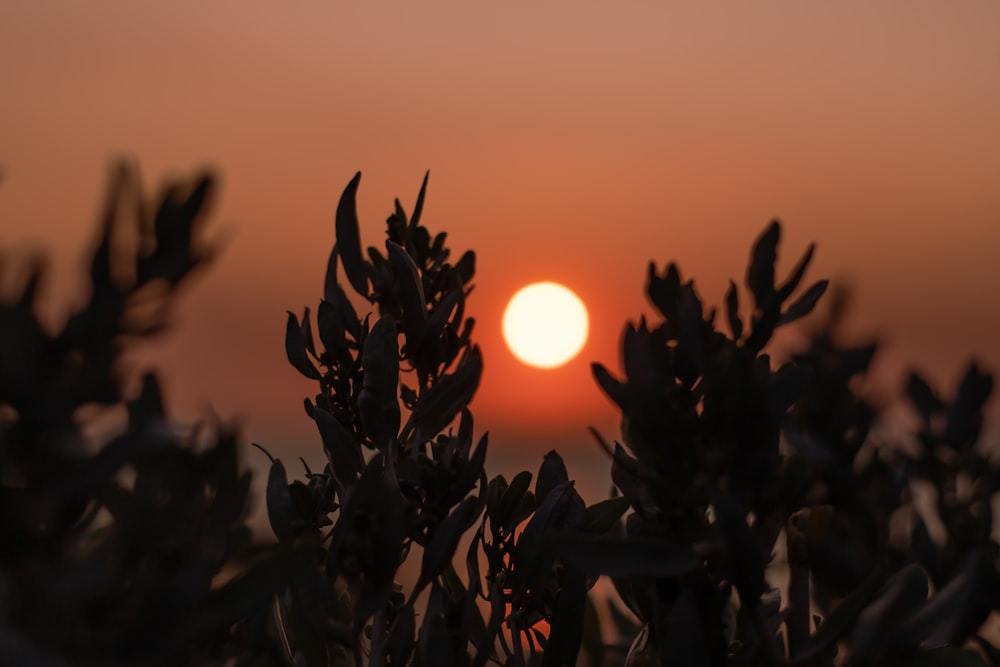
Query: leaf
x=511 y=510
x=604 y=515
x=348 y=315
x=446 y=397
x=330 y=277
x=625 y=475
x=733 y=311
x=349 y=238
x=532 y=555
x=797 y=273
x=494 y=493
x=965 y=414
x=295 y=349
x=955 y=611
x=411 y=295
x=474 y=468
x=566 y=631
x=251 y=593
x=341 y=451
x=551 y=474
x=366 y=540
x=307 y=333
x=664 y=291
x=466 y=266
x=624 y=557
x=486 y=643
x=435 y=644
x=400 y=641
x=805 y=303
x=905 y=591
x=280 y=507
x=681 y=633
x=331 y=329
x=923 y=397
x=378 y=403
x=615 y=390
x=441 y=548
x=843 y=617
x=418 y=208
x=760 y=274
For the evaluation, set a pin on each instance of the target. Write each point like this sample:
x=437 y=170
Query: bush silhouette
x=755 y=518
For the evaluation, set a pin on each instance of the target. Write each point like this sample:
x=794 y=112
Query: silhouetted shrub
x=108 y=553
x=726 y=452
x=758 y=516
x=395 y=485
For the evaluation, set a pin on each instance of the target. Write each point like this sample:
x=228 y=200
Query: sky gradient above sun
x=572 y=142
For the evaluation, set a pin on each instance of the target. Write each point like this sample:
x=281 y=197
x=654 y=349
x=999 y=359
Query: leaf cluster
x=112 y=552
x=729 y=458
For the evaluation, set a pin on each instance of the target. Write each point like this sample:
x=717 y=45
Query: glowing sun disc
x=545 y=325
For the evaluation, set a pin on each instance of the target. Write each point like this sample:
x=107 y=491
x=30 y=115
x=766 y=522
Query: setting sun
x=545 y=325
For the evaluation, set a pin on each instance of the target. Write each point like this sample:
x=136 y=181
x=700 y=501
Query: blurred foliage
x=758 y=514
x=113 y=552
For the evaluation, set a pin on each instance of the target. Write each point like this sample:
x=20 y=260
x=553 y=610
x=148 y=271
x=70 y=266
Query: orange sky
x=566 y=141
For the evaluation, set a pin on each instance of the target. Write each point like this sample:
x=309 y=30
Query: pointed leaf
x=411 y=295
x=418 y=208
x=614 y=389
x=446 y=397
x=923 y=397
x=843 y=617
x=441 y=548
x=295 y=349
x=805 y=303
x=566 y=631
x=733 y=311
x=551 y=474
x=349 y=238
x=378 y=404
x=341 y=451
x=466 y=266
x=760 y=275
x=330 y=277
x=435 y=643
x=905 y=591
x=280 y=507
x=507 y=512
x=331 y=328
x=797 y=273
x=603 y=516
x=307 y=333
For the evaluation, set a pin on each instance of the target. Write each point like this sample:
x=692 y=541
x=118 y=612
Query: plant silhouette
x=757 y=517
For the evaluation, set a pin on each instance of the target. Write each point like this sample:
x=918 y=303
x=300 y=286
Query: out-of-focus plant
x=725 y=452
x=109 y=552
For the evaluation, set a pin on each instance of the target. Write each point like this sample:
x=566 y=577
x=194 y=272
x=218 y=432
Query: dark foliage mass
x=758 y=516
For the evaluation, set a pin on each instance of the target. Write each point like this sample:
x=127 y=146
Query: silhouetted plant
x=108 y=554
x=135 y=551
x=712 y=485
x=394 y=485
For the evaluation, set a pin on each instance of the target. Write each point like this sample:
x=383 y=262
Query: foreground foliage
x=758 y=517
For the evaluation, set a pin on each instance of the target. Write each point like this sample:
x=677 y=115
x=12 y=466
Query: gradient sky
x=566 y=141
